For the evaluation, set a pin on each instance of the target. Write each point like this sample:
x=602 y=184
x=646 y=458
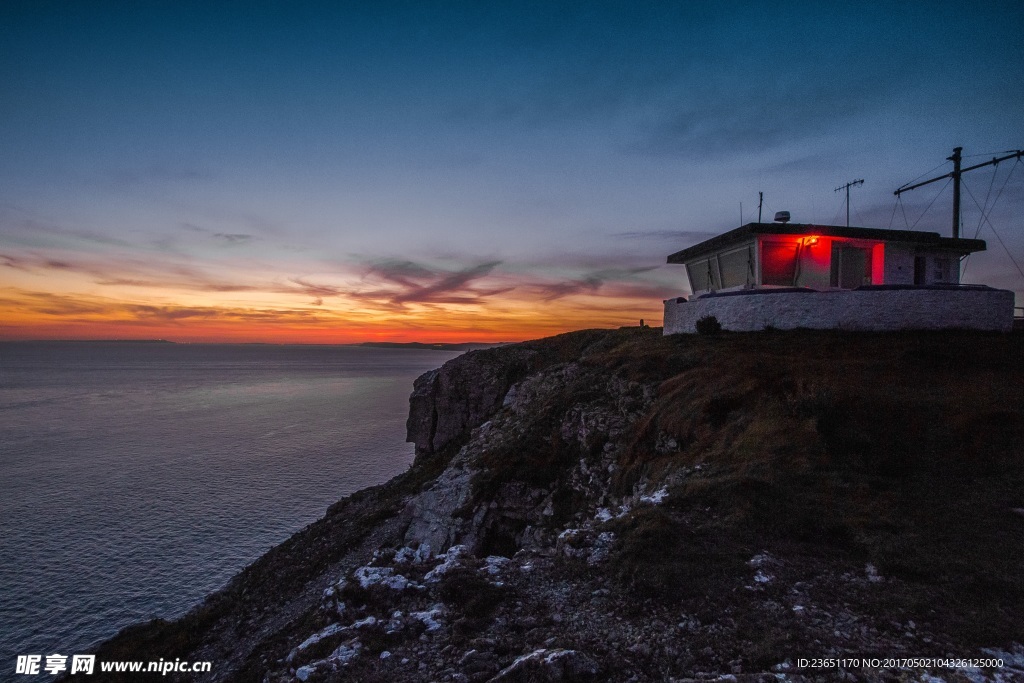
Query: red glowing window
x=778 y=263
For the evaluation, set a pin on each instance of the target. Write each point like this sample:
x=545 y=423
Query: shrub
x=658 y=557
x=708 y=325
x=476 y=596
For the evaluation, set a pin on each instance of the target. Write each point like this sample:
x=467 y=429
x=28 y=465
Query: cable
x=985 y=213
x=1003 y=244
x=859 y=217
x=923 y=175
x=904 y=209
x=988 y=154
x=988 y=194
x=1017 y=265
x=838 y=211
x=930 y=203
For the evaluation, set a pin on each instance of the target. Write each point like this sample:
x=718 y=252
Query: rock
x=545 y=665
x=448 y=402
x=474 y=663
x=422 y=420
x=430 y=514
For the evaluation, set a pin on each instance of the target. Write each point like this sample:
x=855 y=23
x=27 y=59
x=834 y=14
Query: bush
x=708 y=325
x=659 y=557
x=476 y=596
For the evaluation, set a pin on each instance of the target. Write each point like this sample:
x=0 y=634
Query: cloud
x=408 y=282
x=318 y=292
x=84 y=308
x=711 y=122
x=224 y=238
x=591 y=283
x=46 y=303
x=28 y=231
x=156 y=173
x=233 y=237
x=117 y=270
x=664 y=235
x=403 y=273
x=14 y=262
x=557 y=290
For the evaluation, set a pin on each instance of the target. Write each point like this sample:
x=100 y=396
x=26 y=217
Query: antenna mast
x=955 y=175
x=760 y=200
x=847 y=187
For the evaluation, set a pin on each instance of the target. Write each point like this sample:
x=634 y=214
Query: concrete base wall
x=878 y=310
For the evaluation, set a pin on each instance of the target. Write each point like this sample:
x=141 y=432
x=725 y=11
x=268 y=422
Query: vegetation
x=708 y=325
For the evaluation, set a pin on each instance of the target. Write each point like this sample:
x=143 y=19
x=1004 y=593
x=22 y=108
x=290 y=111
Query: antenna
x=955 y=175
x=760 y=200
x=847 y=187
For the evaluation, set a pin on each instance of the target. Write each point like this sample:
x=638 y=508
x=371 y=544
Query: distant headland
x=462 y=346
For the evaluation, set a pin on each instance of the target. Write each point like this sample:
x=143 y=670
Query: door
x=851 y=266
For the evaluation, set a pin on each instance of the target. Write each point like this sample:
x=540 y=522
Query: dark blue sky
x=474 y=158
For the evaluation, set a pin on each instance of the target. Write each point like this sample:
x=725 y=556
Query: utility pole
x=955 y=175
x=956 y=189
x=847 y=187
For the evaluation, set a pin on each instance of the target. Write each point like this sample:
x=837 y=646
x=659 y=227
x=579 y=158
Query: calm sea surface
x=135 y=478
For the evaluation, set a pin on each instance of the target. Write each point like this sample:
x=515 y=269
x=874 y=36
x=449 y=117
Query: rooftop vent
x=782 y=216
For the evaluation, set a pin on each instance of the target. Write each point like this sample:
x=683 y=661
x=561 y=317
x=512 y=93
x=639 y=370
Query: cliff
x=622 y=506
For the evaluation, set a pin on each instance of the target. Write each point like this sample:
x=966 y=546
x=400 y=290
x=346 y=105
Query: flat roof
x=926 y=239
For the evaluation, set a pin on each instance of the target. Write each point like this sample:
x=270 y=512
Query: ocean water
x=135 y=478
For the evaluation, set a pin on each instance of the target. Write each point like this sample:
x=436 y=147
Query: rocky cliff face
x=447 y=402
x=615 y=505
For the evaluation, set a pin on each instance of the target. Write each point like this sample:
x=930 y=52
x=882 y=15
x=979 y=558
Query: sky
x=468 y=171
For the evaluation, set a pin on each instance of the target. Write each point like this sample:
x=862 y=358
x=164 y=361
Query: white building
x=785 y=276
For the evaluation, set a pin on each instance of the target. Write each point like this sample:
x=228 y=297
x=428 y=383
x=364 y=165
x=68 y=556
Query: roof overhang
x=911 y=237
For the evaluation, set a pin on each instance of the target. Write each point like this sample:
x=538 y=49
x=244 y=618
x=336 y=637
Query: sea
x=137 y=477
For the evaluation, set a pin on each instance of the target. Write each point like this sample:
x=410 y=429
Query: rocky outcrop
x=576 y=433
x=622 y=506
x=448 y=402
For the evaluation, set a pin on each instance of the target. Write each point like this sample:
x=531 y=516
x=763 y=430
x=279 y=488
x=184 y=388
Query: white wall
x=904 y=309
x=899 y=265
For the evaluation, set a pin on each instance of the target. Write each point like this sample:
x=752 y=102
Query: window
x=736 y=267
x=778 y=263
